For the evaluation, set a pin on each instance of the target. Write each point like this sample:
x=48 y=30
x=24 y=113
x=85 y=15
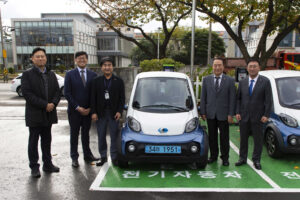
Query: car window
x=289 y=91
x=162 y=94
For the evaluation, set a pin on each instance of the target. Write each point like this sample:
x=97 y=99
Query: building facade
x=60 y=34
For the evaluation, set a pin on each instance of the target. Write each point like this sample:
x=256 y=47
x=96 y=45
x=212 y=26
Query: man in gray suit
x=217 y=106
x=253 y=110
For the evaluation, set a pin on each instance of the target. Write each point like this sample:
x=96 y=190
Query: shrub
x=11 y=70
x=157 y=65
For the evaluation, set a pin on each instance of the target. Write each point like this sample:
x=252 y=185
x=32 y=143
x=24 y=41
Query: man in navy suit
x=253 y=110
x=77 y=92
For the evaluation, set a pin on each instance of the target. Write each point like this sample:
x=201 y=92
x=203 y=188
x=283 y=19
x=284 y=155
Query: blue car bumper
x=185 y=141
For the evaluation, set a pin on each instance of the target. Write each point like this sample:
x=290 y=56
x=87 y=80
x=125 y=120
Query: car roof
x=162 y=74
x=280 y=73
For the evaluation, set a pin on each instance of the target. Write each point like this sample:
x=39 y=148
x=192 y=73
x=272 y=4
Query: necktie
x=251 y=87
x=217 y=83
x=83 y=77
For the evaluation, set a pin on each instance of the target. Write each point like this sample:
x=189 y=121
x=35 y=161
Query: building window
x=106 y=44
x=297 y=39
x=287 y=41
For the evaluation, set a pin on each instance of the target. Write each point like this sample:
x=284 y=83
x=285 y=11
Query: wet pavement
x=69 y=183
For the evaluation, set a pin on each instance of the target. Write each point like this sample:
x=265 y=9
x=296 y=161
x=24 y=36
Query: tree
x=179 y=47
x=201 y=45
x=280 y=16
x=136 y=13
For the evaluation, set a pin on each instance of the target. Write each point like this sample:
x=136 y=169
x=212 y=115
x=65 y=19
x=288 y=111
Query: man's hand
x=117 y=116
x=264 y=119
x=94 y=117
x=238 y=117
x=50 y=107
x=203 y=117
x=230 y=119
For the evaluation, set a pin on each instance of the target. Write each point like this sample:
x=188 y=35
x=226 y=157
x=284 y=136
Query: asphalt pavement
x=69 y=183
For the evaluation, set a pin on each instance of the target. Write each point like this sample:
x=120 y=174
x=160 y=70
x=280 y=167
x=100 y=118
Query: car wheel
x=62 y=91
x=122 y=163
x=201 y=163
x=272 y=144
x=19 y=91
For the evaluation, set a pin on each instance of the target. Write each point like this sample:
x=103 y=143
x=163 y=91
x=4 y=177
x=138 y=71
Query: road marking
x=259 y=172
x=97 y=182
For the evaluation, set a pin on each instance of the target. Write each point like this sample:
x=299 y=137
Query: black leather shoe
x=240 y=162
x=101 y=162
x=257 y=165
x=52 y=168
x=35 y=173
x=225 y=163
x=211 y=160
x=75 y=163
x=91 y=159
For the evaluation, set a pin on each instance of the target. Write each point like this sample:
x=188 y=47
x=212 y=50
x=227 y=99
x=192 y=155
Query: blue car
x=282 y=132
x=162 y=124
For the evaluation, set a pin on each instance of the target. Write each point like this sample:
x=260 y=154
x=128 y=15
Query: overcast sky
x=34 y=8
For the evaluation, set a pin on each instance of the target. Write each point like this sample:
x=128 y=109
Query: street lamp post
x=2 y=39
x=158 y=43
x=193 y=39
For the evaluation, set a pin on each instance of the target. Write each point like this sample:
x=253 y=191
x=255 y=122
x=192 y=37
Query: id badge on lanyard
x=106 y=94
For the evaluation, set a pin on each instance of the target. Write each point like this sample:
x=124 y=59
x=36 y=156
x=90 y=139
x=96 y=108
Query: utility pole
x=2 y=40
x=209 y=46
x=193 y=39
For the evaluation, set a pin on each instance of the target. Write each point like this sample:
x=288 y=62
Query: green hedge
x=157 y=65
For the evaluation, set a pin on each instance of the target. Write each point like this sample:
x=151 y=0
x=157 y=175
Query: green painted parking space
x=277 y=175
x=285 y=171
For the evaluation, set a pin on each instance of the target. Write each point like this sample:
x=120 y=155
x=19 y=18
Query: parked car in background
x=162 y=123
x=16 y=84
x=282 y=132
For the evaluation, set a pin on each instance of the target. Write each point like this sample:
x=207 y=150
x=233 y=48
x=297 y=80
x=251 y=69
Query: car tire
x=62 y=93
x=201 y=164
x=19 y=91
x=122 y=164
x=272 y=144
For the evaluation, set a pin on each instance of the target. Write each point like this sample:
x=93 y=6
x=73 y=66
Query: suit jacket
x=33 y=89
x=258 y=104
x=75 y=92
x=116 y=95
x=217 y=104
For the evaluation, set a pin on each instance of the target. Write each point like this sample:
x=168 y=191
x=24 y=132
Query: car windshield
x=162 y=94
x=289 y=92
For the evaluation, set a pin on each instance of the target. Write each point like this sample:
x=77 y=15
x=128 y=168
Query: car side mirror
x=189 y=102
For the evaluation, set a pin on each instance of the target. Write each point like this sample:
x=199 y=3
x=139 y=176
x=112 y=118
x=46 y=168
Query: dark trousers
x=34 y=133
x=113 y=130
x=76 y=122
x=256 y=128
x=223 y=126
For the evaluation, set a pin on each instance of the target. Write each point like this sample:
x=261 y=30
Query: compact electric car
x=282 y=132
x=162 y=123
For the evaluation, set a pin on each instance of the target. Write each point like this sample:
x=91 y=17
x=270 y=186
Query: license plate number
x=162 y=149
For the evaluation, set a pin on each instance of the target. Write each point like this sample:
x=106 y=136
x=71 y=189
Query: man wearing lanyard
x=253 y=110
x=107 y=102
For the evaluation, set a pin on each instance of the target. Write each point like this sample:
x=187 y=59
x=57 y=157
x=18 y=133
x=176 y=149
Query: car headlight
x=134 y=124
x=191 y=125
x=288 y=120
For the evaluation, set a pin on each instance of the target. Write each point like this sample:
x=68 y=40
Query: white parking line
x=260 y=172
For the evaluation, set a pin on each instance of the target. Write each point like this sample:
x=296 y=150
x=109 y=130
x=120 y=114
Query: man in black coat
x=77 y=91
x=42 y=94
x=107 y=102
x=253 y=109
